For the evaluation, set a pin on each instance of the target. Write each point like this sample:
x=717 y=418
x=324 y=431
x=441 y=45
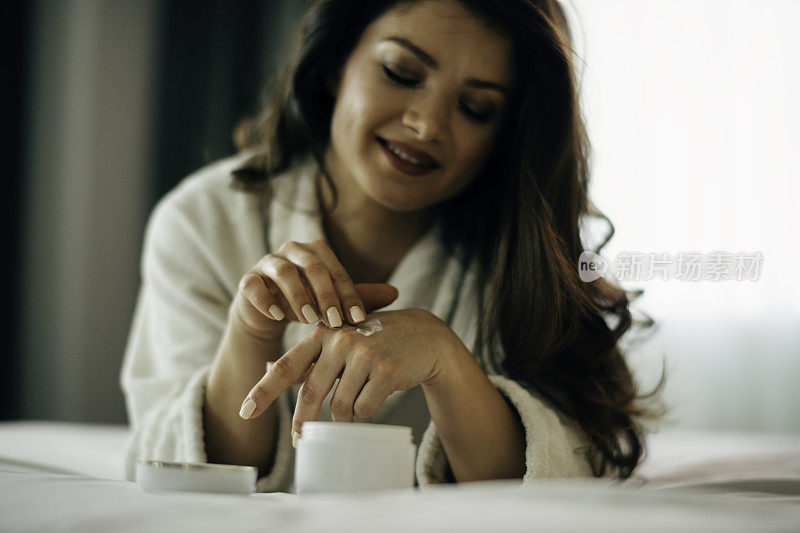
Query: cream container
x=156 y=476
x=354 y=457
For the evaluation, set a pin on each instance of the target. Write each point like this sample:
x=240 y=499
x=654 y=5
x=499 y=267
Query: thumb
x=376 y=295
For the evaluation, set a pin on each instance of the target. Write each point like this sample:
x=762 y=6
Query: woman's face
x=428 y=77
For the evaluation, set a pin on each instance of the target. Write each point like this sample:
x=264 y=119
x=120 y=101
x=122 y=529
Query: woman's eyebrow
x=431 y=62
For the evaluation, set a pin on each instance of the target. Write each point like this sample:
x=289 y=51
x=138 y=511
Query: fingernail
x=334 y=318
x=247 y=408
x=295 y=436
x=309 y=314
x=276 y=312
x=357 y=314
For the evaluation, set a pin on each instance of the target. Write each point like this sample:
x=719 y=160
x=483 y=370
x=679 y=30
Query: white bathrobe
x=200 y=239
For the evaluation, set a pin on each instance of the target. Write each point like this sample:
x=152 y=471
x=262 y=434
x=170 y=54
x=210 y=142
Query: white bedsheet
x=67 y=477
x=88 y=449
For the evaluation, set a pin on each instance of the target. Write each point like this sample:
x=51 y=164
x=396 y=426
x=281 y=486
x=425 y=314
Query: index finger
x=351 y=301
x=286 y=371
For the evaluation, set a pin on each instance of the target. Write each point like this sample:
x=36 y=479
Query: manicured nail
x=309 y=314
x=295 y=436
x=357 y=314
x=334 y=318
x=247 y=408
x=276 y=312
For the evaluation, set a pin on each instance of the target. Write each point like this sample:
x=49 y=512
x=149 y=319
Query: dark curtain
x=216 y=58
x=15 y=19
x=213 y=61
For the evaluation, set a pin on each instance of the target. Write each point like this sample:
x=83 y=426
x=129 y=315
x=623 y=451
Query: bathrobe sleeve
x=553 y=444
x=180 y=317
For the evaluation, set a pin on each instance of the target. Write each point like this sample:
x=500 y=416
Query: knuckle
x=283 y=268
x=282 y=369
x=288 y=245
x=319 y=333
x=362 y=409
x=326 y=296
x=360 y=360
x=370 y=354
x=315 y=266
x=341 y=408
x=308 y=393
x=260 y=300
x=388 y=372
x=249 y=277
x=340 y=276
x=248 y=281
x=258 y=393
x=365 y=358
x=298 y=294
x=342 y=340
x=257 y=294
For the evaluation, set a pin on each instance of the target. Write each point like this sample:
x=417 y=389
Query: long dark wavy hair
x=519 y=219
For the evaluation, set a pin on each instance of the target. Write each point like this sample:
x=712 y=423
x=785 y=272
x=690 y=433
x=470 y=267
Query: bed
x=69 y=477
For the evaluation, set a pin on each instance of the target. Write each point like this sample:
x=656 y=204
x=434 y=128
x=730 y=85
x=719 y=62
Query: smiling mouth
x=423 y=162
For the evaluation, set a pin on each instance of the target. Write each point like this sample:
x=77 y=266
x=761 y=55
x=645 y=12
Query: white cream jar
x=353 y=457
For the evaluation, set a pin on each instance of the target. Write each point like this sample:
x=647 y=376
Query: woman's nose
x=427 y=118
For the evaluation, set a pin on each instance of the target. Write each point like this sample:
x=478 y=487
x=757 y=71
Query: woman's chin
x=399 y=204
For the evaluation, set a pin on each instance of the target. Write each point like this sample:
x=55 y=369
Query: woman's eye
x=399 y=79
x=479 y=117
x=482 y=118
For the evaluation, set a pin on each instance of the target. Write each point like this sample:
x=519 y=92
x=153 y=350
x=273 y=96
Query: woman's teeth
x=404 y=156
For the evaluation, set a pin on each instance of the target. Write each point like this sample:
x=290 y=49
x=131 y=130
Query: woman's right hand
x=303 y=282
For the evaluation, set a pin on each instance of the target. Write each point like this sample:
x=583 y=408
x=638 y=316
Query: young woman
x=424 y=163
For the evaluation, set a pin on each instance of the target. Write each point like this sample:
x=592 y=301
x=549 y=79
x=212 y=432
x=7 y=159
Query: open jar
x=354 y=457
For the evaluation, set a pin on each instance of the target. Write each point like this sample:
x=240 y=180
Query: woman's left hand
x=408 y=352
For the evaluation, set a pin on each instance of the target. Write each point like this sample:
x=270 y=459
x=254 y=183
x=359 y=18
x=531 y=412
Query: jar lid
x=196 y=477
x=357 y=431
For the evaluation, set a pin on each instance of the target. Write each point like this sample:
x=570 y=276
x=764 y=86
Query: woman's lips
x=407 y=167
x=419 y=155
